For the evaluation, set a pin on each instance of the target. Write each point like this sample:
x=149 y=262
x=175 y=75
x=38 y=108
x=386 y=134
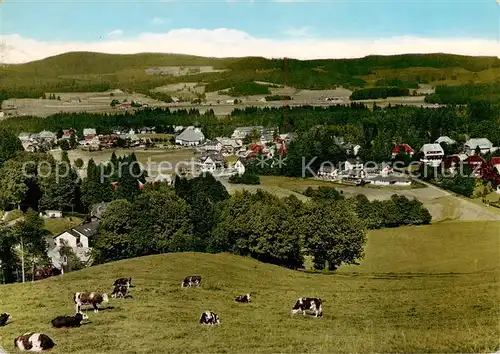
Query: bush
x=278 y=98
x=245 y=178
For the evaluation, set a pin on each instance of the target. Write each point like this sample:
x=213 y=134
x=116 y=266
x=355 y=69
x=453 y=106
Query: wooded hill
x=87 y=71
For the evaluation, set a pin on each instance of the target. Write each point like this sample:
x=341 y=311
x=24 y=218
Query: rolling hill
x=86 y=71
x=404 y=297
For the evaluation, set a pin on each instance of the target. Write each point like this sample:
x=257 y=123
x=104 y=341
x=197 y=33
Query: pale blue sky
x=315 y=29
x=91 y=20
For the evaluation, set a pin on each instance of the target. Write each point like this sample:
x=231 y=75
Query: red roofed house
x=402 y=149
x=477 y=163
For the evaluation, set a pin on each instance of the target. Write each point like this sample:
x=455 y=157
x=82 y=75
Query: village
x=228 y=156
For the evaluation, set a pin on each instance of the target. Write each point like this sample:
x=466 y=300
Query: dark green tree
x=333 y=233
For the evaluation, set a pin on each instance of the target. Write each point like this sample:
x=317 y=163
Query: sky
x=34 y=29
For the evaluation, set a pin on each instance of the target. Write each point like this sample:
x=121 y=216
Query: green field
x=58 y=225
x=419 y=289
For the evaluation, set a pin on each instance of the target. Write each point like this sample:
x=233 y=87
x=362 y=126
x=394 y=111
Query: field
x=57 y=225
x=419 y=289
x=93 y=102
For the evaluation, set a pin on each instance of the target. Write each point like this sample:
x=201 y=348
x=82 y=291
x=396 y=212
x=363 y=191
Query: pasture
x=73 y=102
x=411 y=293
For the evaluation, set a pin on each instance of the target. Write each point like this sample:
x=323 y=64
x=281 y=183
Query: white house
x=432 y=154
x=328 y=172
x=386 y=171
x=471 y=145
x=242 y=132
x=350 y=165
x=210 y=162
x=79 y=239
x=213 y=146
x=239 y=167
x=51 y=214
x=47 y=136
x=191 y=136
x=391 y=181
x=445 y=139
x=89 y=132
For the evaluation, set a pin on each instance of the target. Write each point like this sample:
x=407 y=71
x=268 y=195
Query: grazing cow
x=124 y=281
x=193 y=280
x=34 y=342
x=304 y=304
x=243 y=298
x=119 y=291
x=69 y=321
x=94 y=299
x=4 y=317
x=209 y=318
x=46 y=272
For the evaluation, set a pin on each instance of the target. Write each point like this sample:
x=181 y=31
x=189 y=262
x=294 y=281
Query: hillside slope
x=86 y=71
x=364 y=312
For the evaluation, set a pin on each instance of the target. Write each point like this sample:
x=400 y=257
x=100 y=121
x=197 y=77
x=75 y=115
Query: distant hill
x=88 y=71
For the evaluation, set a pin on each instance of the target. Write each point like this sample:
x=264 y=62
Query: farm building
x=445 y=139
x=432 y=154
x=471 y=145
x=191 y=136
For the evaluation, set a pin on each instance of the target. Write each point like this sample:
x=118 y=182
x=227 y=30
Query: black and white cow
x=209 y=318
x=311 y=304
x=34 y=342
x=193 y=280
x=69 y=321
x=94 y=299
x=124 y=282
x=4 y=317
x=243 y=298
x=120 y=291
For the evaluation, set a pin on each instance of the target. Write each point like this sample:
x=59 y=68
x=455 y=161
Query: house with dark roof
x=79 y=238
x=211 y=161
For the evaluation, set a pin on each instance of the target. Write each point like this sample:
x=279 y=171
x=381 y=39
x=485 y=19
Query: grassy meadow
x=419 y=289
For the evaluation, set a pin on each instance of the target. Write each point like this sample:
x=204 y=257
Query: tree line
x=199 y=215
x=379 y=92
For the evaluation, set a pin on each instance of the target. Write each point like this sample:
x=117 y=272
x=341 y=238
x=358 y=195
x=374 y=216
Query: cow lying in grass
x=94 y=299
x=34 y=342
x=304 y=304
x=243 y=298
x=193 y=280
x=69 y=321
x=4 y=317
x=209 y=318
